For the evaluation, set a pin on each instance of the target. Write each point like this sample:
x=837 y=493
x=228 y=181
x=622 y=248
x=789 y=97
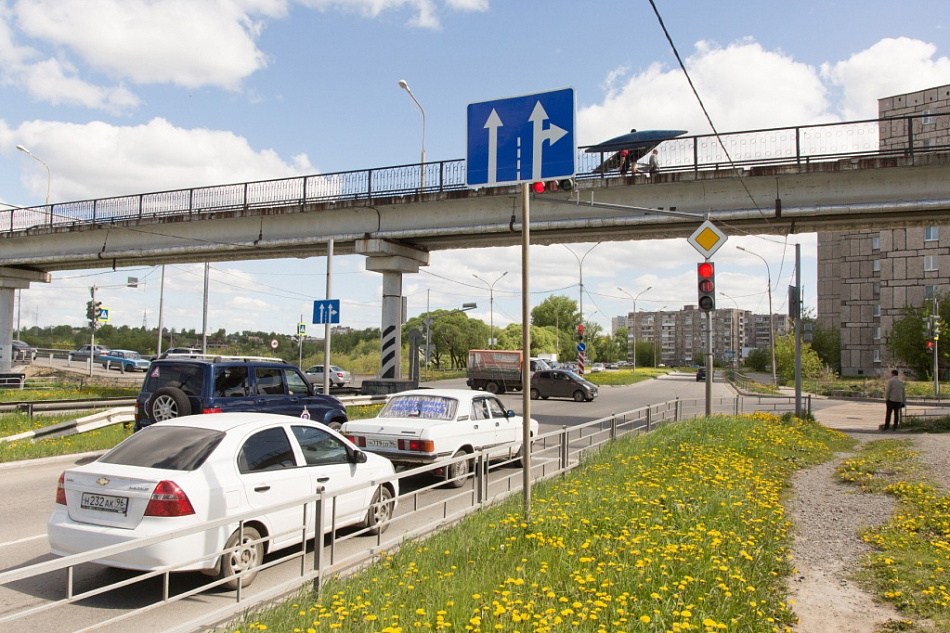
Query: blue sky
x=131 y=96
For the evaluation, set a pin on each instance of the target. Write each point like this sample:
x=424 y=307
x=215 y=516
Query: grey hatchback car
x=560 y=383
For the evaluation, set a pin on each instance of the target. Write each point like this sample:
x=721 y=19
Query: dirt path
x=828 y=515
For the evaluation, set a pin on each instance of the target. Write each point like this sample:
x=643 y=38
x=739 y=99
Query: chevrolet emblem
x=102 y=481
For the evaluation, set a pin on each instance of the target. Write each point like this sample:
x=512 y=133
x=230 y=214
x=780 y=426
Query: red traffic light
x=580 y=329
x=930 y=346
x=706 y=286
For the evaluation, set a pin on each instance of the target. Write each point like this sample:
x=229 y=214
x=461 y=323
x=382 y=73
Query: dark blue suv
x=186 y=385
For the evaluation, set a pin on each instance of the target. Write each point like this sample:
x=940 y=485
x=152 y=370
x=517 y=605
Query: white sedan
x=425 y=425
x=187 y=471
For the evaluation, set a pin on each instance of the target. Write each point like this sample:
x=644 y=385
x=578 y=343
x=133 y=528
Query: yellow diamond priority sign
x=707 y=239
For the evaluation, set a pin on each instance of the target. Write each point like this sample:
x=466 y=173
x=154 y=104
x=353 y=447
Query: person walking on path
x=894 y=398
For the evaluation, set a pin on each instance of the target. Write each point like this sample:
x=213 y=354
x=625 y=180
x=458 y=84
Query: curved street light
x=422 y=165
x=768 y=272
x=634 y=320
x=49 y=174
x=580 y=266
x=491 y=300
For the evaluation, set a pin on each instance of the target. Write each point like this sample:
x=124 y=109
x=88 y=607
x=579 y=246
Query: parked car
x=700 y=374
x=179 y=386
x=83 y=352
x=597 y=367
x=123 y=359
x=339 y=377
x=178 y=473
x=423 y=426
x=560 y=383
x=22 y=352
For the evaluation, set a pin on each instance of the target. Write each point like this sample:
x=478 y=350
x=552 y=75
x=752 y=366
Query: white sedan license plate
x=104 y=503
x=381 y=443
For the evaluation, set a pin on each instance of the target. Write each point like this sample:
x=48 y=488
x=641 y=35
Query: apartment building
x=682 y=333
x=866 y=278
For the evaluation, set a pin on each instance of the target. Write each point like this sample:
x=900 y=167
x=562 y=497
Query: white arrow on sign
x=329 y=313
x=553 y=134
x=492 y=125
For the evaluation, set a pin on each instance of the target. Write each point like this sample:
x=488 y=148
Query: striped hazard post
x=581 y=348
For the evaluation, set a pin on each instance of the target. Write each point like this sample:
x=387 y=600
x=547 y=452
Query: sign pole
x=326 y=327
x=526 y=353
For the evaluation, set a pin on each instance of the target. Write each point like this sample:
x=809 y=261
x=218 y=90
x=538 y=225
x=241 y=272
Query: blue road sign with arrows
x=327 y=311
x=521 y=139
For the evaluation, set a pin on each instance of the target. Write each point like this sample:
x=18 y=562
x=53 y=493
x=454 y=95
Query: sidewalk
x=861 y=416
x=849 y=416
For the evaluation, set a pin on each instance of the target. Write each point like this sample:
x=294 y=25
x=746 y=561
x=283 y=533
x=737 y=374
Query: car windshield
x=419 y=406
x=171 y=448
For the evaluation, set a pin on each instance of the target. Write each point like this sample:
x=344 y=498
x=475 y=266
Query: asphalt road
x=27 y=493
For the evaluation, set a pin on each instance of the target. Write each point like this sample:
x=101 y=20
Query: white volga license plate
x=105 y=503
x=381 y=443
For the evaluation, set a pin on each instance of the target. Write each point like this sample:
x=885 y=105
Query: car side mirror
x=359 y=457
x=510 y=413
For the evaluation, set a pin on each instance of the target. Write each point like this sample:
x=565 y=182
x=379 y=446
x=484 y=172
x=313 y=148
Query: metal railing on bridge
x=775 y=146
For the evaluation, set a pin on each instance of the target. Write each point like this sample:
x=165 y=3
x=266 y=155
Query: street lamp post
x=634 y=320
x=49 y=175
x=580 y=267
x=768 y=272
x=422 y=166
x=491 y=300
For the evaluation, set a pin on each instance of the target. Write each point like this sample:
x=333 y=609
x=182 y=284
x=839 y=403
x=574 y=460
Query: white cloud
x=185 y=42
x=742 y=86
x=889 y=67
x=98 y=159
x=50 y=81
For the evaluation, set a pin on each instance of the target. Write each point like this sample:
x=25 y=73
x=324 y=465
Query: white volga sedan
x=425 y=425
x=184 y=472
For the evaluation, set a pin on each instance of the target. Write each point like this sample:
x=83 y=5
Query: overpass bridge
x=777 y=181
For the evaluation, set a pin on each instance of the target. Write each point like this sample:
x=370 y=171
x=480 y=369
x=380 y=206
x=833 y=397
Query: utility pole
x=798 y=331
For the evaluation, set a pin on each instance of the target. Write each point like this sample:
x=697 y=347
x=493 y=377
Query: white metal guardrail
x=551 y=454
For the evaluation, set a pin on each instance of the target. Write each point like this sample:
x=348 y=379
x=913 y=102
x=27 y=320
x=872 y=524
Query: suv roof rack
x=220 y=357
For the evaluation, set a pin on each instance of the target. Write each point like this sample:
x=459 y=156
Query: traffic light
x=928 y=327
x=580 y=333
x=794 y=311
x=707 y=286
x=92 y=313
x=930 y=347
x=564 y=184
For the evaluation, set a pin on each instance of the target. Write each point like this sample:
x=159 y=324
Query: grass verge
x=625 y=376
x=910 y=564
x=679 y=530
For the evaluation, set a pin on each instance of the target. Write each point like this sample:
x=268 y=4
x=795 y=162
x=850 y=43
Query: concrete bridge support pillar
x=11 y=280
x=393 y=261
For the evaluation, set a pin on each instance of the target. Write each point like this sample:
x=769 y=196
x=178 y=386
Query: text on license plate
x=381 y=443
x=104 y=503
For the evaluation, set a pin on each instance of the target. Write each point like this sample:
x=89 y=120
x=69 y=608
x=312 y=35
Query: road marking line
x=23 y=540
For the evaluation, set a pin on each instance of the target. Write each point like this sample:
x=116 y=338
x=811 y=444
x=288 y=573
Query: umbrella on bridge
x=636 y=144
